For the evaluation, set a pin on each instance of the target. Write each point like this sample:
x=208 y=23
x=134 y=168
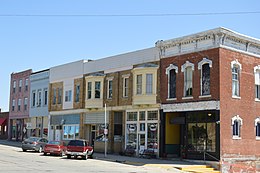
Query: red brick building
x=210 y=98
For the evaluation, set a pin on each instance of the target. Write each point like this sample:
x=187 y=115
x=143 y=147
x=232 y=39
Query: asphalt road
x=13 y=160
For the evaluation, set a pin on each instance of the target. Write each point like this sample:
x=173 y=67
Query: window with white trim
x=188 y=68
x=39 y=98
x=20 y=85
x=97 y=89
x=257 y=82
x=125 y=86
x=26 y=84
x=25 y=103
x=139 y=84
x=14 y=86
x=54 y=96
x=19 y=104
x=45 y=96
x=77 y=93
x=109 y=88
x=89 y=90
x=236 y=70
x=172 y=71
x=59 y=95
x=13 y=105
x=257 y=128
x=33 y=98
x=68 y=96
x=149 y=83
x=236 y=127
x=205 y=66
x=70 y=132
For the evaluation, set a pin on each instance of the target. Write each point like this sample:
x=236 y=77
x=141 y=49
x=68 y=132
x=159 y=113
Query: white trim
x=187 y=64
x=236 y=97
x=257 y=100
x=205 y=96
x=235 y=62
x=204 y=61
x=186 y=98
x=257 y=120
x=171 y=99
x=236 y=117
x=171 y=66
x=191 y=106
x=236 y=137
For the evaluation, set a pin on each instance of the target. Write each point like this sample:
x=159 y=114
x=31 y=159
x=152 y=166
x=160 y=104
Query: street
x=12 y=159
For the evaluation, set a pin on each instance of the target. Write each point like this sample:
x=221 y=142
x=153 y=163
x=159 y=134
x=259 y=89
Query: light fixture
x=209 y=114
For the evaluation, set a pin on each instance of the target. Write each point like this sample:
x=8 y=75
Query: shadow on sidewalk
x=11 y=143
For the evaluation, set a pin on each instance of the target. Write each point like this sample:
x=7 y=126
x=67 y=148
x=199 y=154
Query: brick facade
x=56 y=86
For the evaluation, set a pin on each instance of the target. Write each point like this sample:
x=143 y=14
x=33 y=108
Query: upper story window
x=149 y=83
x=39 y=98
x=125 y=86
x=236 y=69
x=205 y=66
x=171 y=71
x=188 y=69
x=13 y=105
x=97 y=89
x=257 y=82
x=109 y=88
x=45 y=96
x=59 y=95
x=139 y=84
x=68 y=96
x=89 y=90
x=77 y=93
x=236 y=126
x=26 y=84
x=20 y=85
x=14 y=86
x=54 y=96
x=131 y=116
x=25 y=103
x=19 y=104
x=257 y=128
x=33 y=98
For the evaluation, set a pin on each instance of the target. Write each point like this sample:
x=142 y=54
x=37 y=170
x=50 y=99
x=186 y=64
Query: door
x=141 y=142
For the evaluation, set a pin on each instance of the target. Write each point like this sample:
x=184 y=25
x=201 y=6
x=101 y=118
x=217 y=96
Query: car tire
x=24 y=150
x=68 y=156
x=85 y=157
x=40 y=149
x=44 y=154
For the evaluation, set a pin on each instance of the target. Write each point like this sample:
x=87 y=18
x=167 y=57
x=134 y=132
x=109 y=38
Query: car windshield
x=54 y=142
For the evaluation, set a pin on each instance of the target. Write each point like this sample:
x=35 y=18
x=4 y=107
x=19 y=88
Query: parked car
x=34 y=143
x=79 y=147
x=55 y=148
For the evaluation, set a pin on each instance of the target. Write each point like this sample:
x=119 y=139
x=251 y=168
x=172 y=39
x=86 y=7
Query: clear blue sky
x=40 y=42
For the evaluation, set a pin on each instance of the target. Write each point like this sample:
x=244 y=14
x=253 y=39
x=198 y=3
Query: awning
x=2 y=120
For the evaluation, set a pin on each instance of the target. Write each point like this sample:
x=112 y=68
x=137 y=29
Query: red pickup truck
x=79 y=147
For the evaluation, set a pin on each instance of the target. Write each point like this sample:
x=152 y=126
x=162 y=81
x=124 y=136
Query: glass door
x=141 y=145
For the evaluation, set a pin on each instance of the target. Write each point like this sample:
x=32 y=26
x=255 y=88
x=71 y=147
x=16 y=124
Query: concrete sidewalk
x=169 y=164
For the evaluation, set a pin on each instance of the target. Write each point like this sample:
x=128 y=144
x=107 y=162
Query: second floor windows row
x=20 y=104
x=39 y=97
x=21 y=83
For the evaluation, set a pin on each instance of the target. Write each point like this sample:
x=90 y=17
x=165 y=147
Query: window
x=39 y=97
x=125 y=86
x=149 y=83
x=25 y=103
x=20 y=85
x=59 y=95
x=142 y=116
x=89 y=89
x=171 y=71
x=19 y=104
x=68 y=96
x=131 y=116
x=139 y=84
x=205 y=80
x=70 y=132
x=152 y=115
x=188 y=81
x=14 y=86
x=33 y=98
x=236 y=126
x=54 y=96
x=257 y=128
x=45 y=96
x=236 y=68
x=257 y=82
x=187 y=68
x=77 y=93
x=97 y=89
x=13 y=105
x=26 y=84
x=109 y=89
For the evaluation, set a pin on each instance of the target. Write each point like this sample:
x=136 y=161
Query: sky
x=41 y=34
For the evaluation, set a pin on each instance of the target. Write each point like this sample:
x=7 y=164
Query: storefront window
x=131 y=116
x=131 y=135
x=70 y=132
x=152 y=136
x=152 y=115
x=142 y=116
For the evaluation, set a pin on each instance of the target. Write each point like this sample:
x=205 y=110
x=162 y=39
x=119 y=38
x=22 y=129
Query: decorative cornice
x=209 y=39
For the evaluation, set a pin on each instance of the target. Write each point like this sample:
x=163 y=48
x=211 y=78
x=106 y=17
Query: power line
x=131 y=15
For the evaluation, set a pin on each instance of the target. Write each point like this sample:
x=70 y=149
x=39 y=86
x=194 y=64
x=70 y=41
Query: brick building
x=19 y=104
x=210 y=104
x=4 y=124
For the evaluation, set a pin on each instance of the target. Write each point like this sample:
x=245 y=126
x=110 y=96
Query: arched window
x=205 y=66
x=188 y=69
x=236 y=127
x=171 y=71
x=236 y=70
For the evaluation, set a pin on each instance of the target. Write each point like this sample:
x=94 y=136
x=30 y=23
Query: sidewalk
x=169 y=164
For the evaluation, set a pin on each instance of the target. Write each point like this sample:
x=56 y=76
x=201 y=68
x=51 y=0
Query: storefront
x=142 y=130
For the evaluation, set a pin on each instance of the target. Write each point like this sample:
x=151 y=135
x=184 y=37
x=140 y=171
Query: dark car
x=34 y=143
x=55 y=148
x=80 y=148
